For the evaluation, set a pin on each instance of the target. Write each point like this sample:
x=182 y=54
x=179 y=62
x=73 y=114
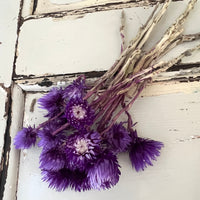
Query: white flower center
x=78 y=112
x=81 y=146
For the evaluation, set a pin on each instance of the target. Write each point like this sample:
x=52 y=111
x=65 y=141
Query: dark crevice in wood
x=45 y=82
x=7 y=90
x=20 y=23
x=183 y=67
x=35 y=2
x=32 y=106
x=182 y=79
x=6 y=149
x=8 y=113
x=97 y=8
x=94 y=74
x=91 y=74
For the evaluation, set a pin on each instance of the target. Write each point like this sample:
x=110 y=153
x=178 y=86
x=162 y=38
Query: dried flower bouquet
x=81 y=139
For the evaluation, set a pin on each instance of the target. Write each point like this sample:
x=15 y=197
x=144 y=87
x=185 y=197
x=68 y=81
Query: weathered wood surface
x=92 y=42
x=9 y=11
x=3 y=122
x=172 y=118
x=11 y=168
x=50 y=46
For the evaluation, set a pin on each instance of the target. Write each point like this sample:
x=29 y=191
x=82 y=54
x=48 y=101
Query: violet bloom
x=25 y=138
x=143 y=151
x=79 y=181
x=53 y=159
x=59 y=180
x=79 y=114
x=118 y=138
x=82 y=149
x=47 y=140
x=105 y=172
x=75 y=90
x=64 y=178
x=52 y=102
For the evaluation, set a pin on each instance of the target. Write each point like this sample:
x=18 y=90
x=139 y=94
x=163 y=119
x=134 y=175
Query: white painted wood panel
x=3 y=118
x=172 y=118
x=13 y=155
x=64 y=1
x=92 y=42
x=67 y=45
x=135 y=18
x=48 y=6
x=27 y=7
x=9 y=11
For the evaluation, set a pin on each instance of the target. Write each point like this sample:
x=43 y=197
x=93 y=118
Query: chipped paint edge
x=10 y=187
x=152 y=89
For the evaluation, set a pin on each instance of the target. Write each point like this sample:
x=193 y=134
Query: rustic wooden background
x=45 y=43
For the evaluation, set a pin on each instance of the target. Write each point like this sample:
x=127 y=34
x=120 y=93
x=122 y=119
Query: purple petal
x=105 y=172
x=118 y=138
x=143 y=151
x=52 y=159
x=25 y=138
x=52 y=102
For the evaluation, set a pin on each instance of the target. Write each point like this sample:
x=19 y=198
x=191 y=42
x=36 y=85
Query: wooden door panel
x=171 y=118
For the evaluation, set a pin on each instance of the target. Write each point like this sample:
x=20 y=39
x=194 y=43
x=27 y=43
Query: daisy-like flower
x=47 y=140
x=143 y=151
x=75 y=90
x=118 y=138
x=105 y=172
x=79 y=114
x=82 y=150
x=64 y=178
x=53 y=159
x=52 y=102
x=25 y=138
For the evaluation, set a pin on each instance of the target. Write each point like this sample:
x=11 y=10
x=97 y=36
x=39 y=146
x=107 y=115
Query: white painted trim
x=13 y=157
x=27 y=8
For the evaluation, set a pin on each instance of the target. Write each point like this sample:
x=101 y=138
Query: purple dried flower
x=82 y=149
x=118 y=138
x=52 y=102
x=79 y=114
x=53 y=159
x=105 y=172
x=64 y=178
x=79 y=181
x=75 y=90
x=58 y=180
x=143 y=151
x=47 y=140
x=25 y=138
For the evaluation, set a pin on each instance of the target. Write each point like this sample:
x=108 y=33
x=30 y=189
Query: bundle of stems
x=136 y=67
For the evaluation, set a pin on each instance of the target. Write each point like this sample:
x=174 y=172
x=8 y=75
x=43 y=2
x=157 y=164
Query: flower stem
x=61 y=128
x=124 y=109
x=49 y=120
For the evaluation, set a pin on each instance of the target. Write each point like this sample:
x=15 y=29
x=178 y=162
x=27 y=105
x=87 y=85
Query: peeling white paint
x=3 y=118
x=167 y=118
x=92 y=42
x=47 y=6
x=65 y=1
x=27 y=7
x=69 y=46
x=136 y=17
x=9 y=11
x=13 y=157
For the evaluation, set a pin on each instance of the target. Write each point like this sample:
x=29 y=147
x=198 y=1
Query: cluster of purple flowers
x=74 y=154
